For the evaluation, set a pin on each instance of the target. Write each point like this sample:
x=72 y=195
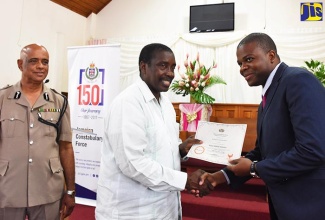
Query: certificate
x=221 y=142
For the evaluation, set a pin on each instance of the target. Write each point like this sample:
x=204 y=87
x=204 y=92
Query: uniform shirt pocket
x=12 y=125
x=4 y=164
x=55 y=165
x=51 y=120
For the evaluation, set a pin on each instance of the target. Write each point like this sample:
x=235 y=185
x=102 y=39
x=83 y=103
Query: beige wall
x=28 y=21
x=38 y=21
x=155 y=17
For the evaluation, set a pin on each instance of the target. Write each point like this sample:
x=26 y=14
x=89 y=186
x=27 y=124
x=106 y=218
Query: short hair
x=148 y=52
x=263 y=40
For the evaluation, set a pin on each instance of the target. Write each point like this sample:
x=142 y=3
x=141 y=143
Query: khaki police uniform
x=31 y=173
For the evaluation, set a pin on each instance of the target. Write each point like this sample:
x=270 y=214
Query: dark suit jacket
x=290 y=145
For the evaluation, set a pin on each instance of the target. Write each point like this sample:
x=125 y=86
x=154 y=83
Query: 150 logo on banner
x=91 y=83
x=311 y=11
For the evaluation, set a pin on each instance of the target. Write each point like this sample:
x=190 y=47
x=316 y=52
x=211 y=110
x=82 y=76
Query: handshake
x=193 y=184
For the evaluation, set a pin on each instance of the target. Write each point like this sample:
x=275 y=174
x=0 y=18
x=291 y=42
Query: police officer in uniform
x=37 y=174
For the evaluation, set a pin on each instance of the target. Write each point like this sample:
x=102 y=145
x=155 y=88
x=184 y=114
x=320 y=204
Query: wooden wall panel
x=225 y=111
x=248 y=111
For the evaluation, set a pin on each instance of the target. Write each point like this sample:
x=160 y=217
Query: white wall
x=154 y=17
x=42 y=21
x=24 y=22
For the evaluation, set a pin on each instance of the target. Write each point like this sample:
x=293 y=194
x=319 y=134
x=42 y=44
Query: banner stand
x=94 y=73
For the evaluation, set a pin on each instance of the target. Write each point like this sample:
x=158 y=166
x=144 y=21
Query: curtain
x=294 y=47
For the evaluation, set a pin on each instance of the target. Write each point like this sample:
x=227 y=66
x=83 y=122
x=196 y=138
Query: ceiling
x=83 y=7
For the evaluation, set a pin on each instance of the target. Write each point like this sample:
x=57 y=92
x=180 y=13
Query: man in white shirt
x=140 y=175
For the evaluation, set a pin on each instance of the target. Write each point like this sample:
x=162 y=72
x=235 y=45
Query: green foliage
x=195 y=80
x=199 y=96
x=203 y=98
x=317 y=68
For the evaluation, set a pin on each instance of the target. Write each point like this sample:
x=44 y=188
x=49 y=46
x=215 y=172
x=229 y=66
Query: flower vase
x=192 y=113
x=192 y=100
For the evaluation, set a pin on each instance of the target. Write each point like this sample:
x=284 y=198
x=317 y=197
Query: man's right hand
x=193 y=180
x=213 y=179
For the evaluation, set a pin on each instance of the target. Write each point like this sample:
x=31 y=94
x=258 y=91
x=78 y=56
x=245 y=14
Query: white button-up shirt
x=140 y=175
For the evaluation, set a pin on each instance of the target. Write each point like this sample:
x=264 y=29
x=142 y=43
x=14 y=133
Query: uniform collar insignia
x=46 y=96
x=17 y=95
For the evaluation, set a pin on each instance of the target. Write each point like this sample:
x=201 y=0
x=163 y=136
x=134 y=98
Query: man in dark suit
x=290 y=148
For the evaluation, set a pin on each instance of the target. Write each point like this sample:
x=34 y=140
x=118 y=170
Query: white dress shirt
x=140 y=175
x=270 y=79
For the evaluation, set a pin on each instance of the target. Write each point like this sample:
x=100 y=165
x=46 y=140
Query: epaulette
x=64 y=96
x=54 y=90
x=6 y=87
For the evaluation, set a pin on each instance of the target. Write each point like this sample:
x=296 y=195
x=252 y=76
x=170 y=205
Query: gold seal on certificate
x=221 y=142
x=199 y=149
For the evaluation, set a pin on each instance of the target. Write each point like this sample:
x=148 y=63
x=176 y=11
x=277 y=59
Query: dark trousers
x=273 y=214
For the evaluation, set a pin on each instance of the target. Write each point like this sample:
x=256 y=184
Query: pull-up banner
x=94 y=73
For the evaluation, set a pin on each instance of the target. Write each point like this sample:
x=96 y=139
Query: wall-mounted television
x=212 y=17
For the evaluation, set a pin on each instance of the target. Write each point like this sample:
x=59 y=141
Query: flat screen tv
x=212 y=17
